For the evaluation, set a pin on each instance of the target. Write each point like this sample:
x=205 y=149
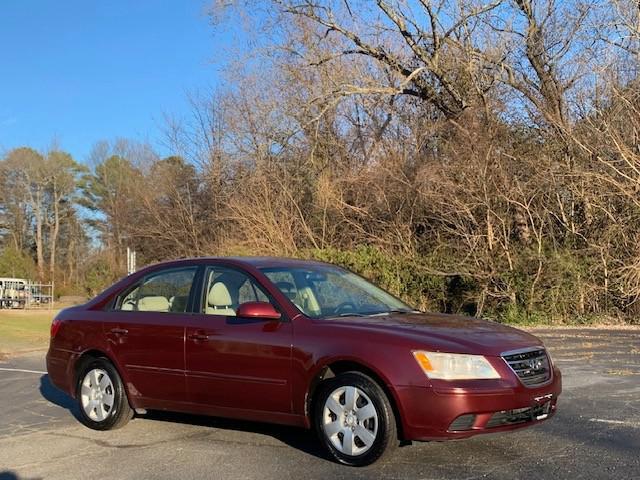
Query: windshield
x=321 y=291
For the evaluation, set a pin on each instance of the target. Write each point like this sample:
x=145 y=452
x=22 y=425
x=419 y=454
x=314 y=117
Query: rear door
x=146 y=335
x=235 y=362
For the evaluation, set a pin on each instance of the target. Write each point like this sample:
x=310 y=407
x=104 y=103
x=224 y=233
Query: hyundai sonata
x=299 y=343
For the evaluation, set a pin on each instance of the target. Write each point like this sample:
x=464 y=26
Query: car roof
x=265 y=262
x=256 y=262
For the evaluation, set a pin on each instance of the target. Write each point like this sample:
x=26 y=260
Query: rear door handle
x=199 y=337
x=119 y=331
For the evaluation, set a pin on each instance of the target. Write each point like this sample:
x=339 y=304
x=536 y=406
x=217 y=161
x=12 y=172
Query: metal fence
x=23 y=294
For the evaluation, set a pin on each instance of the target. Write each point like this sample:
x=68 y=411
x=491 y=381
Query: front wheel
x=100 y=393
x=354 y=419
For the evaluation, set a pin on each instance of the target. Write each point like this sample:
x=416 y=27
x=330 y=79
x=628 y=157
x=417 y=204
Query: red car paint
x=266 y=369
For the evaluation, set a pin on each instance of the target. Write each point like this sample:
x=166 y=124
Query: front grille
x=519 y=415
x=531 y=366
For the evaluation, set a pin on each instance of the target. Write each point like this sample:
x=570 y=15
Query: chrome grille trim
x=531 y=365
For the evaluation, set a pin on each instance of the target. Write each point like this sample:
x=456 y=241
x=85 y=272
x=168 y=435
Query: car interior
x=156 y=303
x=226 y=290
x=303 y=297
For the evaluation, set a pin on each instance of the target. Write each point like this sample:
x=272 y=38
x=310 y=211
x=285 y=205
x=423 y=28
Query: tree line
x=471 y=156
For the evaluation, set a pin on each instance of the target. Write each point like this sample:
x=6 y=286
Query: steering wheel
x=345 y=307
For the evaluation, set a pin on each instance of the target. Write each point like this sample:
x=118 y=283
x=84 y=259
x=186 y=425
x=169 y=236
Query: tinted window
x=165 y=291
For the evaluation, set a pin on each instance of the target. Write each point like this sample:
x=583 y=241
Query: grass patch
x=24 y=330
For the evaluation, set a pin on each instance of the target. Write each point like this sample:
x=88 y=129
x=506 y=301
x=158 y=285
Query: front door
x=147 y=335
x=235 y=362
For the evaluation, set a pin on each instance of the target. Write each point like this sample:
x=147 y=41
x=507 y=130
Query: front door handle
x=119 y=331
x=198 y=337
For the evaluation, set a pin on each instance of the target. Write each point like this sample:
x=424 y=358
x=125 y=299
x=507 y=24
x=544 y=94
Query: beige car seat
x=219 y=301
x=290 y=290
x=153 y=304
x=309 y=302
x=128 y=305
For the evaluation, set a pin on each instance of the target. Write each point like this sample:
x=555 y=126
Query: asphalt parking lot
x=596 y=433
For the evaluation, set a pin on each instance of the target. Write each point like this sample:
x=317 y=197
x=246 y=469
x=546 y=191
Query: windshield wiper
x=372 y=314
x=395 y=311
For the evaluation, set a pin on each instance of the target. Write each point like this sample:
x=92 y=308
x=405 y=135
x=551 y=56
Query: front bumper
x=438 y=413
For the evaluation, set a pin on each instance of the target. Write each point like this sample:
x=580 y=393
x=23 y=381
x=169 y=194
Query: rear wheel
x=100 y=393
x=354 y=419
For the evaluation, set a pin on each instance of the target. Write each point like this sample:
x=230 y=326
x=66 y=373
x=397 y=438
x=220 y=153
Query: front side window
x=165 y=291
x=322 y=291
x=226 y=289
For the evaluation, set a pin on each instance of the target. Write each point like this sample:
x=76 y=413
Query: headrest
x=153 y=304
x=219 y=295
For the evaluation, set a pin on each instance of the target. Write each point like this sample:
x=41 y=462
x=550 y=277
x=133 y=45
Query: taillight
x=55 y=326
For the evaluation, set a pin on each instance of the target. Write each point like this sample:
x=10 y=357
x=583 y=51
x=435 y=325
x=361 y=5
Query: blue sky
x=82 y=71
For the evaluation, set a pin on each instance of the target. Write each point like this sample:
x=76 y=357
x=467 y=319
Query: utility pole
x=131 y=261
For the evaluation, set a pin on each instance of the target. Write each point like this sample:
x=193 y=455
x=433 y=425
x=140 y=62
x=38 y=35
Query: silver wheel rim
x=350 y=420
x=97 y=394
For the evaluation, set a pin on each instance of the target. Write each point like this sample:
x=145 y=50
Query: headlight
x=454 y=366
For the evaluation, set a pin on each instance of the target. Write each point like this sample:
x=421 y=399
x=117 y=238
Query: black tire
x=119 y=413
x=386 y=438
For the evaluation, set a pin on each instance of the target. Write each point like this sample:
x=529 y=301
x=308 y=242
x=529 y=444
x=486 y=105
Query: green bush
x=557 y=296
x=17 y=264
x=98 y=275
x=516 y=314
x=563 y=293
x=401 y=275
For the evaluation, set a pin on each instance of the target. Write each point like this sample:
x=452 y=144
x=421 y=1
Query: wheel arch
x=94 y=354
x=334 y=367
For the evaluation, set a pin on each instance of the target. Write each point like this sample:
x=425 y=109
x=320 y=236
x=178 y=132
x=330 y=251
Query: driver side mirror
x=262 y=310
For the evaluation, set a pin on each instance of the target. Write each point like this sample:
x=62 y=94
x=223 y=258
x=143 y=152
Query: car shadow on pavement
x=58 y=397
x=9 y=475
x=301 y=439
x=298 y=438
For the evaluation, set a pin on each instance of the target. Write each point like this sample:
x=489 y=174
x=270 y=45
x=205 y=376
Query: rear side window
x=164 y=291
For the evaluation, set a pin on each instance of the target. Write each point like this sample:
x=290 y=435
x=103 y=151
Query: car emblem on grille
x=531 y=365
x=535 y=363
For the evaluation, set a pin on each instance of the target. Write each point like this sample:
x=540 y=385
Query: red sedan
x=299 y=343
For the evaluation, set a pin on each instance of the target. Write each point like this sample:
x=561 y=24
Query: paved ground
x=596 y=433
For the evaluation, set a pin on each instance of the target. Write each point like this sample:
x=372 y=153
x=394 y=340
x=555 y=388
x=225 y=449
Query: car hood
x=446 y=333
